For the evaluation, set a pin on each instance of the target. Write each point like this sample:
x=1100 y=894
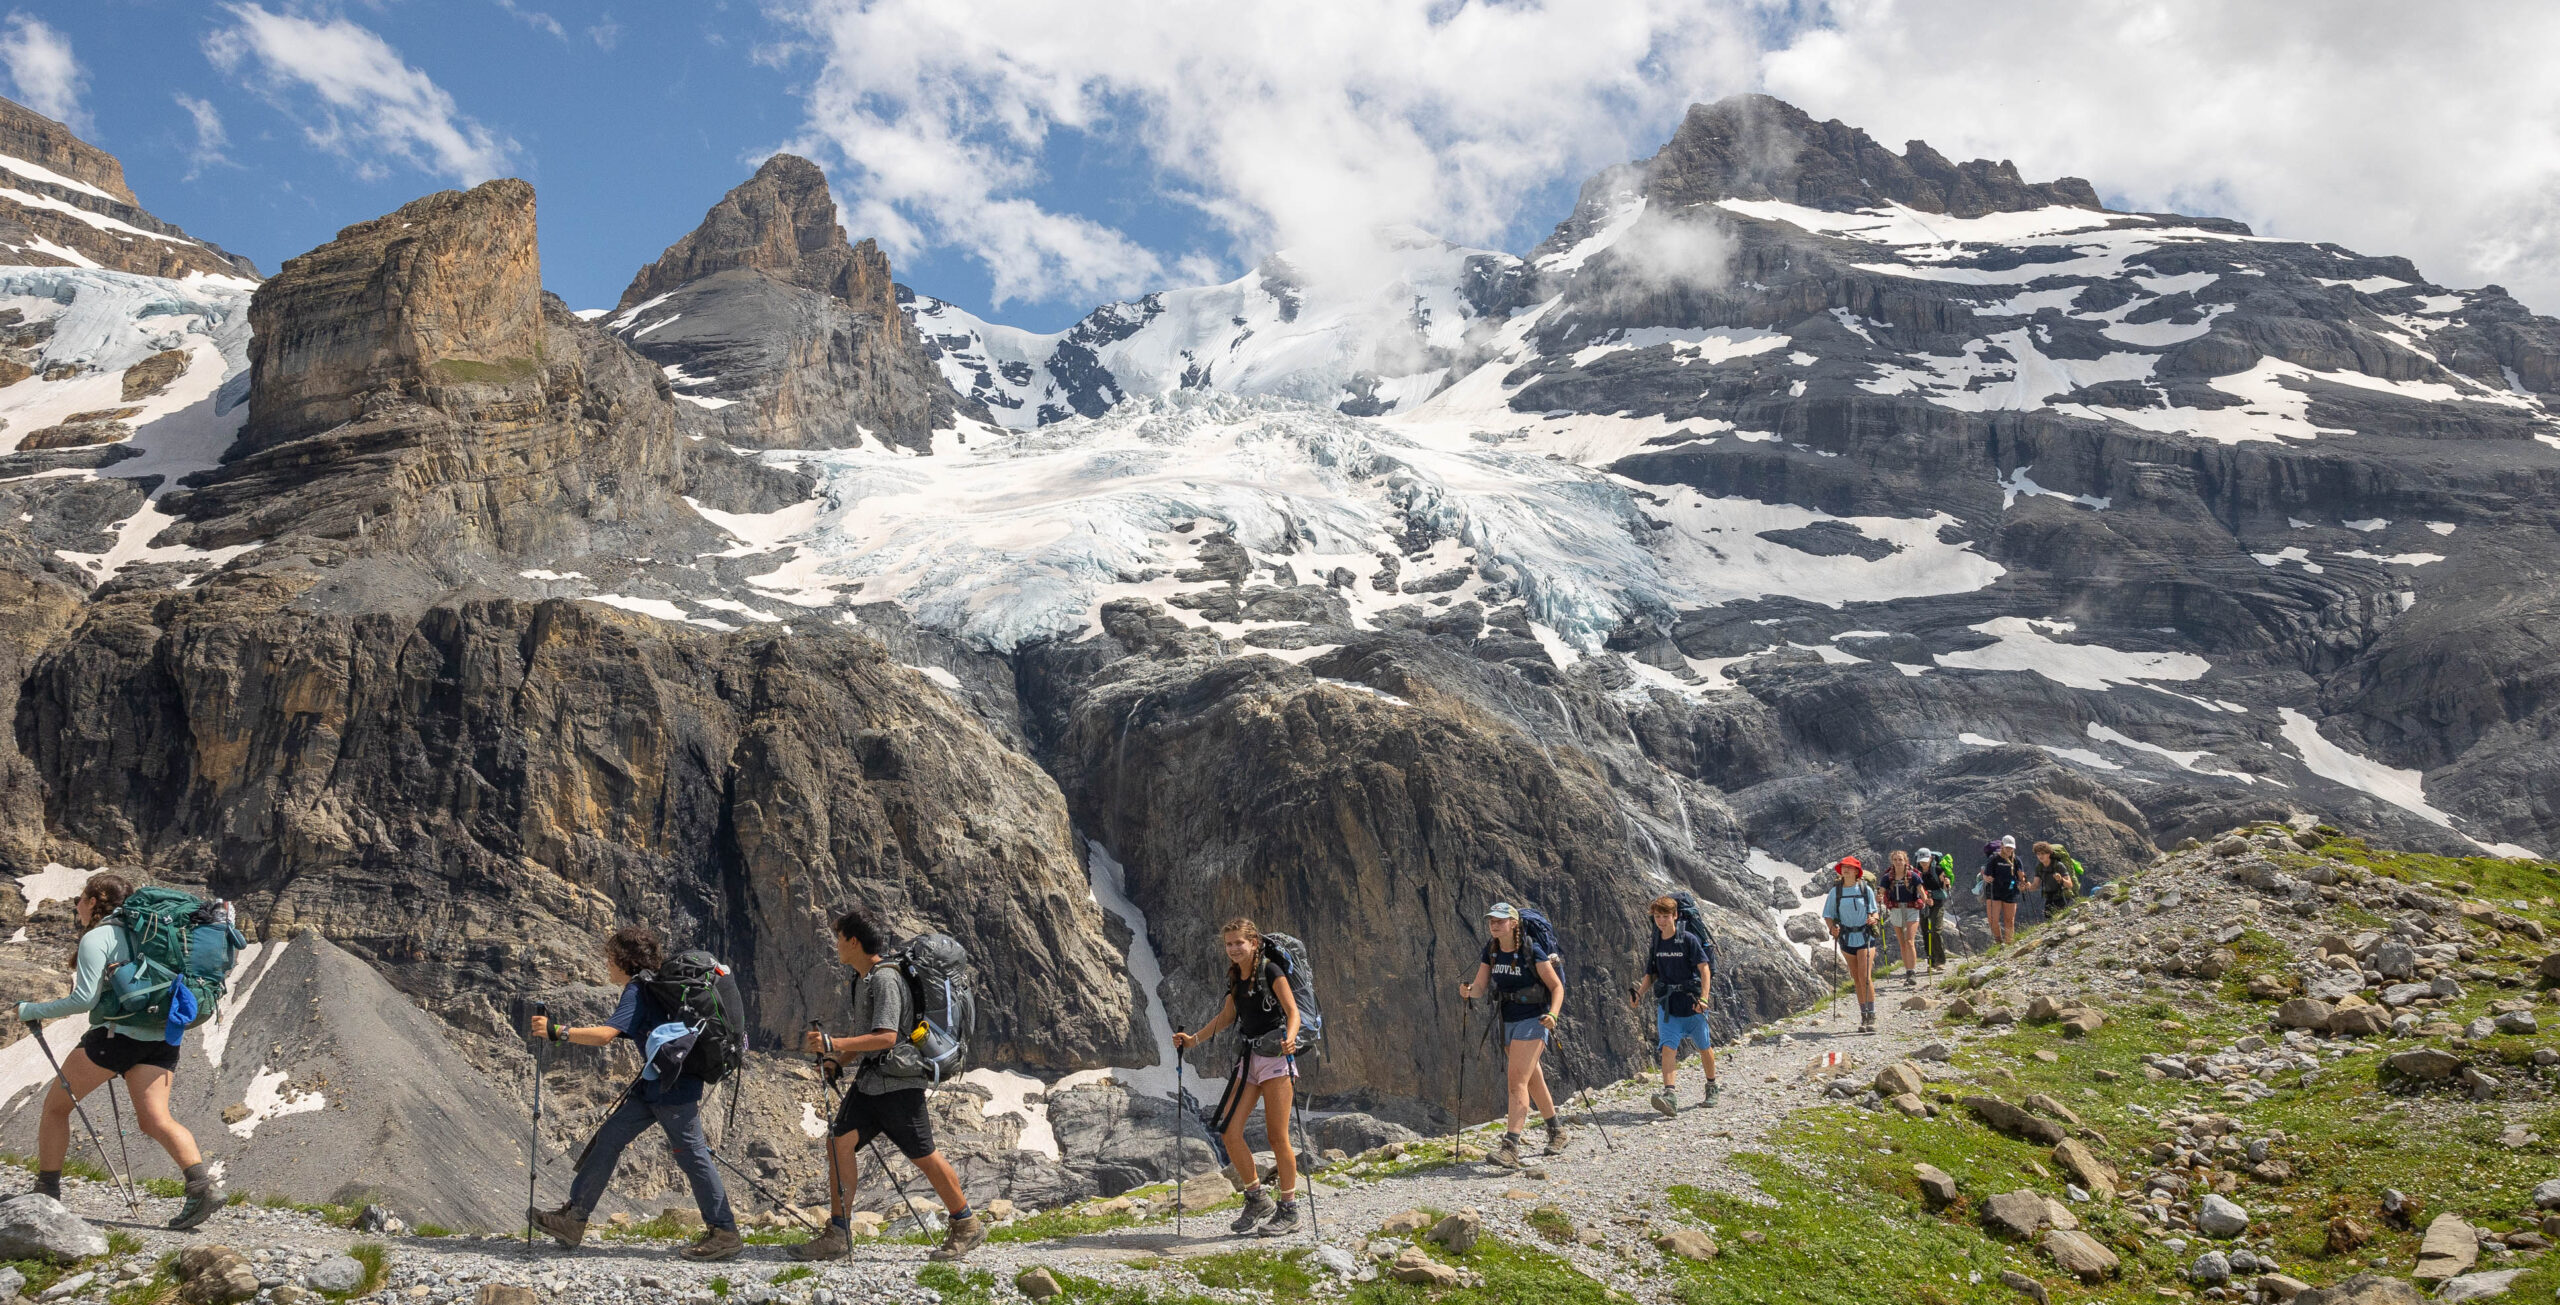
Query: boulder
x=2546 y=1194
x=2425 y=1064
x=2518 y=1021
x=1458 y=1232
x=2478 y=1286
x=2303 y=1013
x=2019 y=1214
x=337 y=1273
x=500 y=1293
x=2218 y=1216
x=2082 y=1021
x=12 y=1282
x=2080 y=1255
x=1404 y=1222
x=1037 y=1283
x=2045 y=1104
x=2550 y=967
x=1415 y=1267
x=2042 y=1009
x=2358 y=1022
x=2449 y=1250
x=1910 y=1104
x=213 y=1275
x=2401 y=994
x=2394 y=960
x=1937 y=1186
x=1355 y=1132
x=1687 y=1243
x=2345 y=1236
x=2075 y=1158
x=2002 y=1117
x=2211 y=1269
x=2278 y=1288
x=2024 y=1286
x=37 y=1227
x=2363 y=1289
x=1896 y=1079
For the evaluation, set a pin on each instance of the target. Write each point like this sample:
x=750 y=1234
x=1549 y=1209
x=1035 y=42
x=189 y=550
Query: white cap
x=2009 y=841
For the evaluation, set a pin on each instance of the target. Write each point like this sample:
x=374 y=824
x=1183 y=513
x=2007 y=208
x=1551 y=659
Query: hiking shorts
x=119 y=1055
x=1901 y=916
x=1266 y=1068
x=1528 y=1030
x=1999 y=895
x=899 y=1116
x=1670 y=1030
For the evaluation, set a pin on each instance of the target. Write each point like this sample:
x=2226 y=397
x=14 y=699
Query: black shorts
x=899 y=1116
x=118 y=1054
x=2010 y=896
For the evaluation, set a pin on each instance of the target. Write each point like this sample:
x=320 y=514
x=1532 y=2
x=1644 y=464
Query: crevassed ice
x=1009 y=540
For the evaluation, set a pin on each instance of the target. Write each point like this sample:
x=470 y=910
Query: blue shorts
x=1670 y=1029
x=1528 y=1030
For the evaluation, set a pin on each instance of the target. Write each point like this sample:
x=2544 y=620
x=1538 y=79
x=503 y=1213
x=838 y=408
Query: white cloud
x=2386 y=127
x=210 y=137
x=370 y=106
x=534 y=18
x=1287 y=126
x=42 y=73
x=606 y=33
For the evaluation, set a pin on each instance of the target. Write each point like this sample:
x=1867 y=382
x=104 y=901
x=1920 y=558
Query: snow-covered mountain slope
x=1367 y=343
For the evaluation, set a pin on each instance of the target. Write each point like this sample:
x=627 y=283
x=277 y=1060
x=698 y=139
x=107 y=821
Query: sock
x=1288 y=1203
x=200 y=1176
x=960 y=1214
x=841 y=1223
x=49 y=1183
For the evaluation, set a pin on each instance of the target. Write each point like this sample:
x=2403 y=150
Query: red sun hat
x=1852 y=863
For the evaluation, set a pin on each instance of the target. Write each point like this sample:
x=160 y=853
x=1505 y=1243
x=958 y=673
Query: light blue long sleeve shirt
x=101 y=949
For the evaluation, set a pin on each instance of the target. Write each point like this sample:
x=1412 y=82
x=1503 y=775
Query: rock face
x=777 y=333
x=1753 y=147
x=84 y=209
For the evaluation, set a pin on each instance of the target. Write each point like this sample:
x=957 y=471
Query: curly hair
x=634 y=949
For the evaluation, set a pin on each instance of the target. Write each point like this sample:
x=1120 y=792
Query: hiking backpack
x=2074 y=874
x=183 y=948
x=936 y=969
x=1287 y=952
x=1866 y=931
x=700 y=992
x=1537 y=932
x=1694 y=919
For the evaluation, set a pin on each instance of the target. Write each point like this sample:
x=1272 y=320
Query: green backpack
x=183 y=948
x=2071 y=875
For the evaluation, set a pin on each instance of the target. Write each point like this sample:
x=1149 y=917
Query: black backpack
x=700 y=991
x=1290 y=956
x=1693 y=918
x=936 y=969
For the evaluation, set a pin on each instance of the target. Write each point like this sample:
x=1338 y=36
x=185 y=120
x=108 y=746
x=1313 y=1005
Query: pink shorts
x=1263 y=1069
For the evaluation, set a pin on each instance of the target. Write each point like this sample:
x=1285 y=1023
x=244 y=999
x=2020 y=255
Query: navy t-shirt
x=1674 y=965
x=1257 y=1005
x=1516 y=981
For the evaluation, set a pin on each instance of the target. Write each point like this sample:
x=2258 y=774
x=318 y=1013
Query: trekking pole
x=1588 y=1116
x=115 y=1114
x=895 y=1181
x=533 y=1139
x=1178 y=1165
x=133 y=1203
x=1306 y=1143
x=828 y=1069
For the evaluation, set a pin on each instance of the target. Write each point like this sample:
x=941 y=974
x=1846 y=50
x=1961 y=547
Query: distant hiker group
x=1912 y=899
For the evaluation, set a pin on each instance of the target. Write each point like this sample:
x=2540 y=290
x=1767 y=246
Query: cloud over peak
x=355 y=96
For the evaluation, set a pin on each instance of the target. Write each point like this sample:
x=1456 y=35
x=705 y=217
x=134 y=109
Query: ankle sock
x=842 y=1223
x=49 y=1183
x=960 y=1214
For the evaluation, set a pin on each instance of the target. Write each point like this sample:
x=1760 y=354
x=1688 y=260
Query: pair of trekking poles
x=1182 y=1113
x=123 y=1180
x=1493 y=1029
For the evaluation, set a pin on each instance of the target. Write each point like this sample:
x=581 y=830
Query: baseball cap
x=1502 y=911
x=2009 y=841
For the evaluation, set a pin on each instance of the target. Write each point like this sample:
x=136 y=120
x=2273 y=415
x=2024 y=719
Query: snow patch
x=2026 y=645
x=266 y=1099
x=55 y=883
x=2017 y=483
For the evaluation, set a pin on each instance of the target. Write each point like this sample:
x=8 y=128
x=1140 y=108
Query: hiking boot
x=960 y=1238
x=829 y=1245
x=1910 y=979
x=566 y=1226
x=1713 y=1091
x=1666 y=1103
x=1284 y=1221
x=1557 y=1138
x=714 y=1245
x=1507 y=1155
x=1257 y=1207
x=200 y=1205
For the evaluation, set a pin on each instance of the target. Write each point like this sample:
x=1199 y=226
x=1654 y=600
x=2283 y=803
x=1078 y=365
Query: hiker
x=1999 y=883
x=142 y=1053
x=2055 y=875
x=1937 y=878
x=886 y=1099
x=1264 y=1010
x=1905 y=898
x=664 y=1095
x=1523 y=970
x=1678 y=973
x=1850 y=906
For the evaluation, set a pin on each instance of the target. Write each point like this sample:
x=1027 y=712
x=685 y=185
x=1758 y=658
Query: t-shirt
x=1902 y=890
x=1257 y=1006
x=1674 y=964
x=2002 y=874
x=633 y=1017
x=1852 y=907
x=881 y=1001
x=1934 y=879
x=1516 y=981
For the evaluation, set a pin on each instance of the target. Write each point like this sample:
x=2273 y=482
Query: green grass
x=376 y=1259
x=158 y=1289
x=1552 y=1224
x=656 y=1228
x=168 y=1187
x=975 y=1287
x=432 y=1230
x=793 y=1274
x=1278 y=1275
x=787 y=1235
x=121 y=1242
x=719 y=1286
x=1513 y=1275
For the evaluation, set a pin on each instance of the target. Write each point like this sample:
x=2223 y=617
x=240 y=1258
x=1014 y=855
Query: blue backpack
x=1537 y=931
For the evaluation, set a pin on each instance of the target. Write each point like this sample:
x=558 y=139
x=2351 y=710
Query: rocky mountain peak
x=1761 y=147
x=782 y=222
x=80 y=213
x=446 y=289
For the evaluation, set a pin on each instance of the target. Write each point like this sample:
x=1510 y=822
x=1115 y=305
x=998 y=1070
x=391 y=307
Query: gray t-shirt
x=880 y=1001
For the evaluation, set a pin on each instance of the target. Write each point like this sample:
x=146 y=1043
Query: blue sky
x=1029 y=159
